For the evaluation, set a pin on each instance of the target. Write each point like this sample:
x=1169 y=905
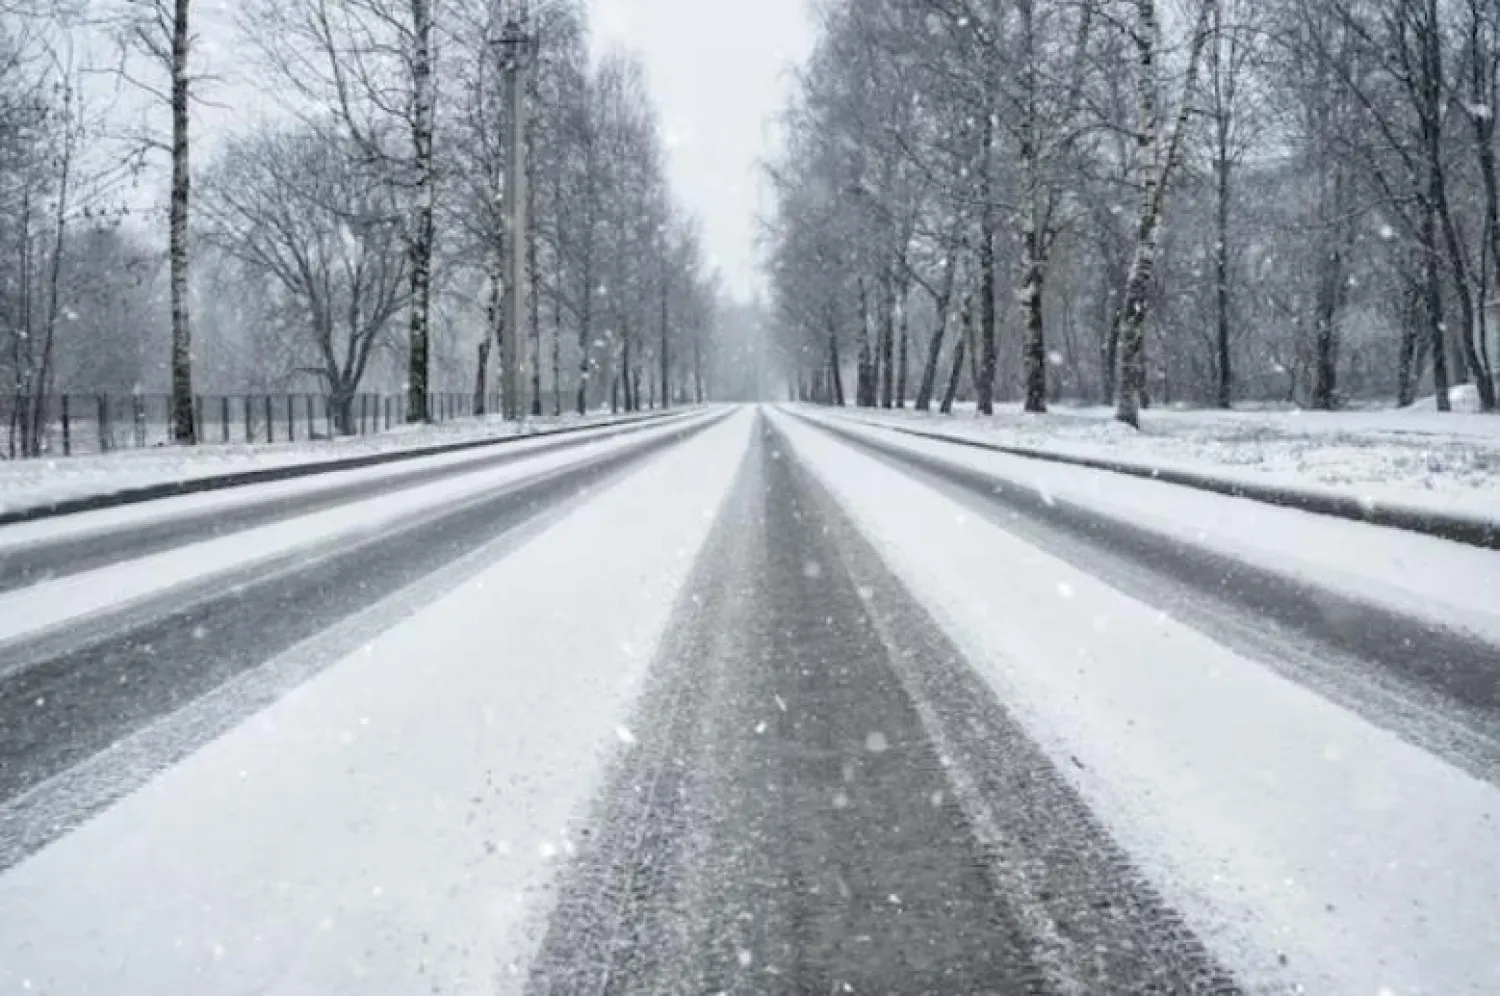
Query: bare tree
x=295 y=207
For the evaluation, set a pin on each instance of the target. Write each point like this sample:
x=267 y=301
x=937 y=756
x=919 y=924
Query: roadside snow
x=24 y=483
x=1304 y=845
x=1452 y=584
x=392 y=825
x=1448 y=462
x=49 y=604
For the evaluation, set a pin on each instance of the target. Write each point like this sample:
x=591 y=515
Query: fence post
x=198 y=432
x=67 y=427
x=138 y=413
x=224 y=419
x=270 y=419
x=312 y=422
x=103 y=424
x=291 y=419
x=249 y=416
x=364 y=411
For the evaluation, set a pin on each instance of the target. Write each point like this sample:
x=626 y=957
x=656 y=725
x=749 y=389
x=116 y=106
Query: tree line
x=1137 y=201
x=349 y=231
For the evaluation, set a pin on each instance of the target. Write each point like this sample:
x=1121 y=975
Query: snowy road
x=757 y=704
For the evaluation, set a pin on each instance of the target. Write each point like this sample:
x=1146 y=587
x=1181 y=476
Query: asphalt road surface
x=822 y=795
x=789 y=827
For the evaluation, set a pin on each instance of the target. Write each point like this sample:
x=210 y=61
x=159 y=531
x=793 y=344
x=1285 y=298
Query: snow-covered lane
x=391 y=825
x=32 y=483
x=1303 y=844
x=1448 y=583
x=61 y=602
x=23 y=539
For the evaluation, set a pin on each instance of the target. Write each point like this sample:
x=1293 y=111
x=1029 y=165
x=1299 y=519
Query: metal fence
x=74 y=424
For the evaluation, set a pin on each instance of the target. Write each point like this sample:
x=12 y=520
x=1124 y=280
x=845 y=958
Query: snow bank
x=390 y=826
x=1304 y=845
x=1443 y=462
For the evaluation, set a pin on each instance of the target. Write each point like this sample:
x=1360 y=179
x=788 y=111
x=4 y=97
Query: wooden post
x=138 y=414
x=291 y=420
x=249 y=426
x=103 y=424
x=197 y=419
x=67 y=428
x=224 y=418
x=270 y=421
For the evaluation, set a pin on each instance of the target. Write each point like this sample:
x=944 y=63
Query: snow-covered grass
x=24 y=483
x=1415 y=456
x=1305 y=845
x=392 y=825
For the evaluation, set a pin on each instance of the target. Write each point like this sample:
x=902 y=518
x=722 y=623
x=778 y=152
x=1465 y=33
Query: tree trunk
x=698 y=369
x=1033 y=341
x=422 y=218
x=1406 y=355
x=984 y=384
x=183 y=428
x=1463 y=287
x=585 y=323
x=1158 y=153
x=939 y=333
x=865 y=390
x=1224 y=395
x=1432 y=295
x=887 y=335
x=625 y=363
x=42 y=390
x=666 y=356
x=904 y=335
x=481 y=378
x=955 y=372
x=835 y=370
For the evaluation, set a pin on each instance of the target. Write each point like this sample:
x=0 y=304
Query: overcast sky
x=720 y=71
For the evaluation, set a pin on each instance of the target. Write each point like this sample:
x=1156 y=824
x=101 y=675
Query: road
x=749 y=702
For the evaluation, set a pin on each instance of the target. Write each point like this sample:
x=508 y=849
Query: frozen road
x=747 y=701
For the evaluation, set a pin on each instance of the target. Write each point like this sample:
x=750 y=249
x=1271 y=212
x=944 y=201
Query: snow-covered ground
x=63 y=601
x=24 y=483
x=1451 y=584
x=1415 y=456
x=1306 y=846
x=391 y=826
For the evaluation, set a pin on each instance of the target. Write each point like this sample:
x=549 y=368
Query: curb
x=1457 y=527
x=219 y=482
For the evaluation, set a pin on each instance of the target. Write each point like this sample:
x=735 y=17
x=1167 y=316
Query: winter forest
x=345 y=229
x=1135 y=202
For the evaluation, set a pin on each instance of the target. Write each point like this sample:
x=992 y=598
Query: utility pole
x=516 y=46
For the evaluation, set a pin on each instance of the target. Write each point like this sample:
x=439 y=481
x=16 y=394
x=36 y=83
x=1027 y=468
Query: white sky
x=720 y=71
